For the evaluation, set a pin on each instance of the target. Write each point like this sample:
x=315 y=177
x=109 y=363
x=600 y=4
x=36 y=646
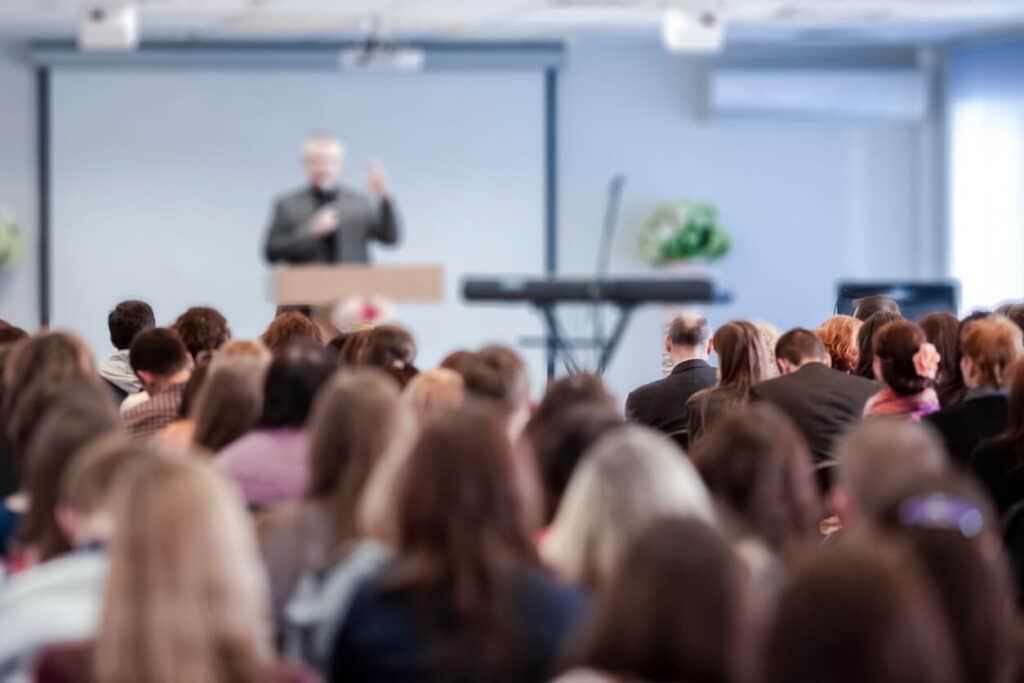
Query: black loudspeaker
x=916 y=299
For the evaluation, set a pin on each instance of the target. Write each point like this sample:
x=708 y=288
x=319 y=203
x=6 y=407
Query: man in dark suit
x=662 y=404
x=822 y=402
x=327 y=223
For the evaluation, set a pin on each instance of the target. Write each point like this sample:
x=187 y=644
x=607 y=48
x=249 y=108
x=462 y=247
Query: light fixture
x=694 y=30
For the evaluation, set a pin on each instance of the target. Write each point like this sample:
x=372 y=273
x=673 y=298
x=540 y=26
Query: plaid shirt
x=148 y=418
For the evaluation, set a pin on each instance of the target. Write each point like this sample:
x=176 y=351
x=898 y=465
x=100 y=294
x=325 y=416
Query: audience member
x=999 y=463
x=230 y=401
x=163 y=364
x=662 y=403
x=186 y=598
x=392 y=349
x=820 y=401
x=465 y=578
x=839 y=335
x=943 y=331
x=352 y=350
x=287 y=328
x=270 y=464
x=953 y=531
x=177 y=436
x=10 y=334
x=498 y=377
x=202 y=328
x=769 y=338
x=742 y=362
x=988 y=347
x=631 y=476
x=124 y=322
x=867 y=306
x=1015 y=312
x=245 y=348
x=434 y=393
x=858 y=614
x=456 y=360
x=875 y=461
x=905 y=365
x=579 y=389
x=673 y=611
x=865 y=340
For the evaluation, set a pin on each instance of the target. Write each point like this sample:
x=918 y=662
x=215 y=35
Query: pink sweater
x=269 y=465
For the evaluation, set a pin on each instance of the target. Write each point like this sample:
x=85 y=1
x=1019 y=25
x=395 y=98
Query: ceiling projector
x=109 y=26
x=701 y=31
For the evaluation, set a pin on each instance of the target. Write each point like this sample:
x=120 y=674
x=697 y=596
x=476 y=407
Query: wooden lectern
x=318 y=285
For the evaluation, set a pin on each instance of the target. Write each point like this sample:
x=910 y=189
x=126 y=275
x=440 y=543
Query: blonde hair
x=322 y=143
x=241 y=348
x=992 y=344
x=186 y=598
x=627 y=479
x=433 y=393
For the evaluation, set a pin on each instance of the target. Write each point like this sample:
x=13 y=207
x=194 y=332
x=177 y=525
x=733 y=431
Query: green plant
x=681 y=230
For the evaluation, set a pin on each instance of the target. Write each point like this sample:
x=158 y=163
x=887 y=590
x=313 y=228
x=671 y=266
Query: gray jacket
x=360 y=219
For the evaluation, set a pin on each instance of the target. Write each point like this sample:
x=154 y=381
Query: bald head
x=877 y=459
x=688 y=337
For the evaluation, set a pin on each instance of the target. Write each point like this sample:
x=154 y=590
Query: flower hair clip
x=926 y=361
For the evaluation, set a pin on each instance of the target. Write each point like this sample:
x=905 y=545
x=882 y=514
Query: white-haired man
x=325 y=222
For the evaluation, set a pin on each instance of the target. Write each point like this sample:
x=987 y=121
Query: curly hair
x=839 y=335
x=287 y=328
x=202 y=329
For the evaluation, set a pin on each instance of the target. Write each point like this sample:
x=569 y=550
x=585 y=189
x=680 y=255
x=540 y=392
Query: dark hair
x=799 y=345
x=194 y=385
x=673 y=610
x=962 y=555
x=895 y=346
x=292 y=382
x=943 y=331
x=755 y=461
x=128 y=319
x=289 y=327
x=466 y=521
x=158 y=350
x=10 y=334
x=867 y=306
x=561 y=441
x=496 y=374
x=865 y=342
x=84 y=412
x=352 y=423
x=456 y=360
x=856 y=614
x=741 y=355
x=1014 y=433
x=565 y=393
x=202 y=329
x=352 y=349
x=1014 y=312
x=689 y=329
x=229 y=402
x=392 y=349
x=338 y=341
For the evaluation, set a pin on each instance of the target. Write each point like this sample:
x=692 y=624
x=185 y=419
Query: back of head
x=855 y=614
x=202 y=329
x=288 y=328
x=896 y=346
x=1015 y=312
x=433 y=393
x=942 y=330
x=9 y=334
x=628 y=478
x=689 y=329
x=88 y=482
x=158 y=351
x=742 y=360
x=565 y=393
x=292 y=382
x=84 y=411
x=186 y=597
x=799 y=346
x=865 y=341
x=879 y=457
x=867 y=306
x=352 y=425
x=673 y=611
x=1015 y=385
x=757 y=462
x=953 y=530
x=498 y=376
x=839 y=335
x=991 y=344
x=229 y=402
x=392 y=349
x=128 y=319
x=244 y=348
x=457 y=359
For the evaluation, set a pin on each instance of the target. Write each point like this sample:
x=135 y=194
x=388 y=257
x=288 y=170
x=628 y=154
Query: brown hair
x=466 y=521
x=895 y=346
x=497 y=374
x=352 y=349
x=741 y=354
x=858 y=613
x=1015 y=312
x=565 y=393
x=867 y=306
x=9 y=334
x=202 y=329
x=84 y=412
x=351 y=425
x=673 y=611
x=839 y=335
x=456 y=360
x=230 y=401
x=392 y=349
x=87 y=484
x=943 y=331
x=756 y=461
x=1015 y=428
x=287 y=328
x=992 y=344
x=799 y=345
x=246 y=349
x=432 y=393
x=865 y=341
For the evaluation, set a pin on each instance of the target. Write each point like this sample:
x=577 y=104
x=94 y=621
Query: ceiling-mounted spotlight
x=109 y=25
x=699 y=30
x=378 y=53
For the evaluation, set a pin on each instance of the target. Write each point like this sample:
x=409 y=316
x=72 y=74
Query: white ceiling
x=749 y=21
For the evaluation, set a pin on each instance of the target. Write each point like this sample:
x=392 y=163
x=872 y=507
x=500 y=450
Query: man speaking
x=327 y=223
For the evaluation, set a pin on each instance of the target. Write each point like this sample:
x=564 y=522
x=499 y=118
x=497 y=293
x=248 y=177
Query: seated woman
x=839 y=335
x=999 y=463
x=186 y=597
x=944 y=332
x=988 y=347
x=905 y=364
x=632 y=636
x=230 y=402
x=742 y=363
x=465 y=598
x=865 y=338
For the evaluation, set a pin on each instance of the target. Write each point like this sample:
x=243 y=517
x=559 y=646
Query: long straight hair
x=742 y=359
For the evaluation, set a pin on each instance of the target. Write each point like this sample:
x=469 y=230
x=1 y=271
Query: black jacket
x=964 y=426
x=662 y=404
